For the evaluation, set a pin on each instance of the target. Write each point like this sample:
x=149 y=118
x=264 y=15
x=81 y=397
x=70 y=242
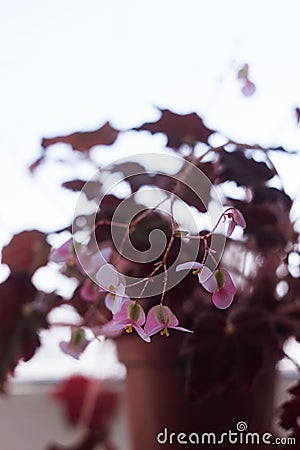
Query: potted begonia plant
x=184 y=258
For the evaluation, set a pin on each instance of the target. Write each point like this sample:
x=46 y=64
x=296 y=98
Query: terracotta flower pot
x=157 y=406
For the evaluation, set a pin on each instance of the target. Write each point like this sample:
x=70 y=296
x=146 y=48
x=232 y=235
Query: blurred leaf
x=265 y=194
x=263 y=225
x=73 y=393
x=27 y=251
x=179 y=128
x=83 y=141
x=92 y=189
x=297 y=114
x=221 y=350
x=290 y=415
x=235 y=166
x=19 y=322
x=32 y=168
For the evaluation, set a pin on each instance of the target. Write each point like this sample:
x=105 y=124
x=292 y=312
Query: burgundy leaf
x=290 y=414
x=19 y=322
x=92 y=189
x=27 y=251
x=83 y=141
x=179 y=128
x=235 y=166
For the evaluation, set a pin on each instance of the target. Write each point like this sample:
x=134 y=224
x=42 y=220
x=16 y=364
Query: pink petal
x=69 y=350
x=189 y=266
x=231 y=227
x=89 y=291
x=113 y=328
x=170 y=318
x=110 y=302
x=117 y=304
x=141 y=333
x=222 y=299
x=154 y=324
x=249 y=88
x=182 y=329
x=107 y=276
x=63 y=253
x=91 y=262
x=114 y=303
x=152 y=329
x=75 y=350
x=207 y=279
x=100 y=258
x=228 y=285
x=123 y=313
x=239 y=218
x=136 y=313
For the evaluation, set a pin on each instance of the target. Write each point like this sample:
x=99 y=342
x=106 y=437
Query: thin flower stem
x=148 y=280
x=131 y=227
x=109 y=222
x=164 y=285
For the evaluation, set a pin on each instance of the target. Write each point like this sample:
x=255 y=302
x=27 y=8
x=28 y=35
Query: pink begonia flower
x=77 y=344
x=237 y=218
x=91 y=263
x=62 y=254
x=223 y=296
x=111 y=281
x=219 y=283
x=159 y=319
x=89 y=290
x=205 y=275
x=130 y=317
x=249 y=88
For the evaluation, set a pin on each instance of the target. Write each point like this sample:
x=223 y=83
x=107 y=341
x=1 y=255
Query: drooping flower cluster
x=127 y=314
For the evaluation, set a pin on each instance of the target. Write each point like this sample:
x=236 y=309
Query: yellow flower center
x=128 y=329
x=165 y=332
x=71 y=262
x=112 y=289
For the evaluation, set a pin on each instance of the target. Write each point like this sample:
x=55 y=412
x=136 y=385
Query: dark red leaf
x=290 y=414
x=27 y=251
x=83 y=141
x=179 y=128
x=235 y=166
x=267 y=217
x=19 y=322
x=92 y=189
x=265 y=194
